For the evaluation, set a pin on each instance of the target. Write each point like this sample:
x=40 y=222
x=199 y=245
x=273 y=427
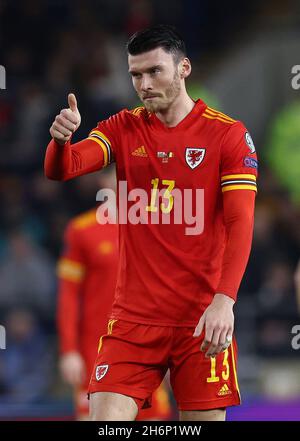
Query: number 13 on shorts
x=223 y=370
x=214 y=377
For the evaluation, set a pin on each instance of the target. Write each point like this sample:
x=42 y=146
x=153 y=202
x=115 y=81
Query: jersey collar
x=187 y=121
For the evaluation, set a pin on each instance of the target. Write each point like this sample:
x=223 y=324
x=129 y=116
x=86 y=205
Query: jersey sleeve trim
x=215 y=112
x=137 y=110
x=238 y=182
x=104 y=143
x=70 y=270
x=212 y=114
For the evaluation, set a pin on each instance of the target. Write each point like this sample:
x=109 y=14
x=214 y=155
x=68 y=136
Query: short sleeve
x=106 y=135
x=238 y=160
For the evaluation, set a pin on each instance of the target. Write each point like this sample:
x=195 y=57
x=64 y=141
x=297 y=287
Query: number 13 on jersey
x=167 y=194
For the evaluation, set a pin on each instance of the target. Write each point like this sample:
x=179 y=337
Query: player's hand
x=218 y=322
x=67 y=122
x=72 y=368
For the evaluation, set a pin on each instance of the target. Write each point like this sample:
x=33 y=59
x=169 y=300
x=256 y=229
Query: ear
x=185 y=68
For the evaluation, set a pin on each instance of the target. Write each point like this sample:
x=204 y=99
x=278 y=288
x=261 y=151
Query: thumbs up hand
x=67 y=122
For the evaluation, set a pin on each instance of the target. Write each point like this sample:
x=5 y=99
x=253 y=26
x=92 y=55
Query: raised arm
x=64 y=160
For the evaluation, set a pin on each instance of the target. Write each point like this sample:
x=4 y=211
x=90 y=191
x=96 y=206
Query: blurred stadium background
x=242 y=55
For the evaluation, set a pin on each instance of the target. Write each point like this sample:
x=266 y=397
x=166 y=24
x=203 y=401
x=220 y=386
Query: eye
x=135 y=75
x=155 y=71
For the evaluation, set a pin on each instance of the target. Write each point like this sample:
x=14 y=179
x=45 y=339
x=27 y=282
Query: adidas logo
x=141 y=151
x=224 y=391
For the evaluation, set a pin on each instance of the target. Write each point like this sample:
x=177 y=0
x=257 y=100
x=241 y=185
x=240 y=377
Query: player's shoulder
x=125 y=116
x=83 y=220
x=219 y=120
x=137 y=113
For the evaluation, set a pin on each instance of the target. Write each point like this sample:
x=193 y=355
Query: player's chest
x=190 y=157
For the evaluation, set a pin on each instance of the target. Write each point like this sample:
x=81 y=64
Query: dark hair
x=164 y=36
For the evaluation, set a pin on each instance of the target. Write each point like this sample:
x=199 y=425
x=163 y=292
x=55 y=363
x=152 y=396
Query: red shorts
x=133 y=360
x=160 y=407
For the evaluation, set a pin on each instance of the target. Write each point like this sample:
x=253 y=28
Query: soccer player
x=175 y=290
x=87 y=272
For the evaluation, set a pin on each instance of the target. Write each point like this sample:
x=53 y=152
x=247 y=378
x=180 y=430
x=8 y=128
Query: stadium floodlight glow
x=2 y=77
x=164 y=207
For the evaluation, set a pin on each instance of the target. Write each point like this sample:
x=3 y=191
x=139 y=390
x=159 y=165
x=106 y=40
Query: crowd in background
x=59 y=47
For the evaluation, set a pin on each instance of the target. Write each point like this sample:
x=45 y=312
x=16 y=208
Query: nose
x=146 y=83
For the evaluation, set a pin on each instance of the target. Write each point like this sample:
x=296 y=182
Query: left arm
x=218 y=318
x=238 y=169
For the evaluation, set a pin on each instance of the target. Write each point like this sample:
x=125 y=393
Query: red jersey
x=167 y=277
x=87 y=273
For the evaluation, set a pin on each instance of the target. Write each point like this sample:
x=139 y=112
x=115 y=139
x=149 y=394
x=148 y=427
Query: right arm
x=68 y=161
x=64 y=160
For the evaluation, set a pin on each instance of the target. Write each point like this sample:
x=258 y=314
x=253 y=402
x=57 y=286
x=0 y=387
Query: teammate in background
x=175 y=291
x=87 y=272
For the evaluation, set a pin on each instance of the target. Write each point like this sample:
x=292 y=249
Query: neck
x=177 y=111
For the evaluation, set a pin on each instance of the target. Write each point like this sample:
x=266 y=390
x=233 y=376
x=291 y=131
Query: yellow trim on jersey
x=234 y=370
x=242 y=176
x=104 y=148
x=97 y=132
x=85 y=220
x=239 y=187
x=217 y=113
x=109 y=332
x=218 y=118
x=100 y=344
x=70 y=270
x=137 y=110
x=110 y=326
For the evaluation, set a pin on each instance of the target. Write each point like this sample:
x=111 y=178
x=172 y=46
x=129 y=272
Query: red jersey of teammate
x=168 y=277
x=87 y=274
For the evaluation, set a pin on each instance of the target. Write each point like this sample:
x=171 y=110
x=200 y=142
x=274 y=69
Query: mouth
x=150 y=97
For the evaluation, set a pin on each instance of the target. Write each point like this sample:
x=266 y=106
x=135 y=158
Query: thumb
x=199 y=327
x=72 y=102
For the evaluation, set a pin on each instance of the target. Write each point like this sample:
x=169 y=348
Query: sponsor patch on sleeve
x=249 y=142
x=250 y=162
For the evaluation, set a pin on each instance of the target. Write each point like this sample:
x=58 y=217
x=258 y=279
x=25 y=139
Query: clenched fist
x=67 y=122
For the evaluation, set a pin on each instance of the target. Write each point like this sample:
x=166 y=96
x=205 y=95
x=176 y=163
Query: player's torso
x=154 y=158
x=171 y=256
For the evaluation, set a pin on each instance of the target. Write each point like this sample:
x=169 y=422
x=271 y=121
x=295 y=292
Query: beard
x=162 y=103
